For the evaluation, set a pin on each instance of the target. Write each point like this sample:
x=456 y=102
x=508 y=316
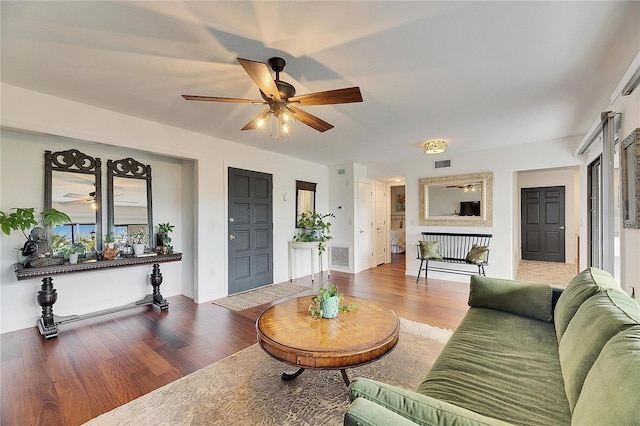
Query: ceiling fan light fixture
x=435 y=146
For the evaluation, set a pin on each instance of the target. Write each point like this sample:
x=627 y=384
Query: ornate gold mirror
x=457 y=200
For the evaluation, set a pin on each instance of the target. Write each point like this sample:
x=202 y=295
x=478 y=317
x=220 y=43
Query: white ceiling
x=480 y=74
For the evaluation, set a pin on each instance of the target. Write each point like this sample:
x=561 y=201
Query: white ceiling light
x=435 y=146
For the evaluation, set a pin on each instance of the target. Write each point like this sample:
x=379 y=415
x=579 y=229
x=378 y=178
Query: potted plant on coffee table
x=327 y=303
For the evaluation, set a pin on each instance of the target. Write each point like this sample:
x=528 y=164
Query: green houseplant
x=23 y=219
x=314 y=227
x=138 y=240
x=73 y=252
x=327 y=303
x=164 y=229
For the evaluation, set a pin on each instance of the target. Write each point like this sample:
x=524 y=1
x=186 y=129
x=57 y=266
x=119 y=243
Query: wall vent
x=443 y=163
x=339 y=257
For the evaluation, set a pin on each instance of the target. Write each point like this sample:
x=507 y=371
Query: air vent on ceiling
x=443 y=163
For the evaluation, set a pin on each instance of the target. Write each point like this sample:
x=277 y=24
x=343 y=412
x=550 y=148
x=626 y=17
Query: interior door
x=594 y=236
x=250 y=227
x=543 y=223
x=381 y=223
x=365 y=226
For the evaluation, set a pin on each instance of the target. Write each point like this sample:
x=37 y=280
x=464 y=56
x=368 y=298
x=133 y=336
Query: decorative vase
x=73 y=258
x=330 y=307
x=138 y=248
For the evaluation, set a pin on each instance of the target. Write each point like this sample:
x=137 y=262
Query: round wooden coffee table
x=288 y=333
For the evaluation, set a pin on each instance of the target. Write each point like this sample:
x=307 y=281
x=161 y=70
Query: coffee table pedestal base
x=291 y=376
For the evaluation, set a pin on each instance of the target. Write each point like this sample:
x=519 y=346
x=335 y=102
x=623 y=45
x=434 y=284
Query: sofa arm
x=517 y=297
x=363 y=412
x=412 y=406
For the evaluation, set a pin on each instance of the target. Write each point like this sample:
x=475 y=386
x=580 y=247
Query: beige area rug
x=259 y=296
x=246 y=388
x=555 y=273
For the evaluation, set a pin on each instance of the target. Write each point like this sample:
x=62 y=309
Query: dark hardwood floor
x=98 y=364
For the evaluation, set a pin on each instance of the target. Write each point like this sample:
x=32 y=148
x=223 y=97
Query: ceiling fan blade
x=330 y=97
x=218 y=99
x=311 y=120
x=253 y=124
x=260 y=74
x=74 y=195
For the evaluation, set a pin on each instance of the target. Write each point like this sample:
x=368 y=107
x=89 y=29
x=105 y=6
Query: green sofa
x=525 y=354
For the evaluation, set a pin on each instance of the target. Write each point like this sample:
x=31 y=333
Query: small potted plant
x=138 y=240
x=327 y=303
x=164 y=229
x=110 y=240
x=314 y=227
x=73 y=252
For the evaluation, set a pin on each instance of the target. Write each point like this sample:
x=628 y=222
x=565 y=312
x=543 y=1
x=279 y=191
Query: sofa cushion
x=412 y=406
x=504 y=366
x=430 y=250
x=517 y=297
x=582 y=286
x=478 y=254
x=610 y=392
x=597 y=320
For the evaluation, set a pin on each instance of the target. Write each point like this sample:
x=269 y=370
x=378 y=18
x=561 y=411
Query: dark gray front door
x=250 y=230
x=543 y=229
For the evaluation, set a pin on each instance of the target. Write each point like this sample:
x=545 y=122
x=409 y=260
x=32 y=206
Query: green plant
x=165 y=229
x=76 y=248
x=325 y=293
x=138 y=237
x=24 y=219
x=314 y=228
x=110 y=237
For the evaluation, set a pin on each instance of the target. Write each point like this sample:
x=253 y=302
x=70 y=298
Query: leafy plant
x=76 y=248
x=315 y=228
x=110 y=237
x=138 y=237
x=24 y=219
x=165 y=229
x=316 y=306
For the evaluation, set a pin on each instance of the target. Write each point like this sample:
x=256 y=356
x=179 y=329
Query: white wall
x=207 y=244
x=503 y=162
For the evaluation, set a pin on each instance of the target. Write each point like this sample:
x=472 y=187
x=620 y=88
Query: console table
x=312 y=246
x=47 y=296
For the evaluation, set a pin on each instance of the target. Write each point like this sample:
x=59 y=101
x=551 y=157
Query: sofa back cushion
x=517 y=297
x=597 y=320
x=610 y=392
x=582 y=286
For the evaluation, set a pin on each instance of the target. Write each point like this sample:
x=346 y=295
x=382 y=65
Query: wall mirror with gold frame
x=630 y=180
x=456 y=200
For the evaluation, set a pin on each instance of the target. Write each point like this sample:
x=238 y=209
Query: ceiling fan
x=281 y=98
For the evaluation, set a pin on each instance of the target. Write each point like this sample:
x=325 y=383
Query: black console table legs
x=47 y=296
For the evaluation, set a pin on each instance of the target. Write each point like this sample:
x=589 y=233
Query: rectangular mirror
x=129 y=198
x=73 y=186
x=305 y=198
x=630 y=176
x=457 y=200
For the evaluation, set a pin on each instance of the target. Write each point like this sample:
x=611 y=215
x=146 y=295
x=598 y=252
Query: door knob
x=232 y=237
x=561 y=227
x=361 y=231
